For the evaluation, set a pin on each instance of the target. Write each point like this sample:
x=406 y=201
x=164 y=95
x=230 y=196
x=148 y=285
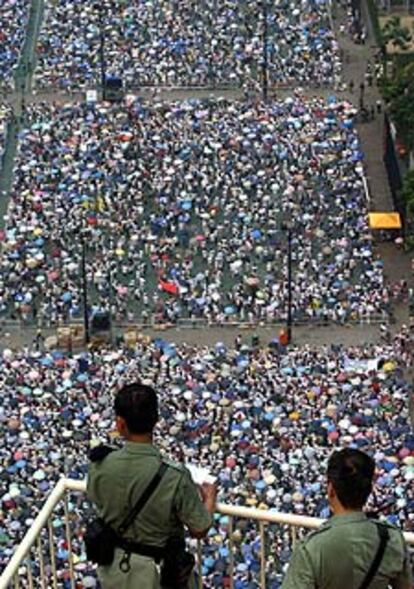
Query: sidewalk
x=397 y=263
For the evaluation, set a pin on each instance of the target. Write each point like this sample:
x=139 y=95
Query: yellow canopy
x=384 y=220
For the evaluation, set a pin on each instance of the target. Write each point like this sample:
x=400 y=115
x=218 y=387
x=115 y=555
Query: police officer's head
x=350 y=476
x=136 y=409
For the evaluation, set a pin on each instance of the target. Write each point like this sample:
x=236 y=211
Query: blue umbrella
x=66 y=297
x=256 y=234
x=186 y=205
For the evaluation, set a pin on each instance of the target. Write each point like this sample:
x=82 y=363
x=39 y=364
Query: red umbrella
x=169 y=287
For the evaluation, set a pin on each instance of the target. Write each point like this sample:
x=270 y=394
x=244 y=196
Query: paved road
x=315 y=335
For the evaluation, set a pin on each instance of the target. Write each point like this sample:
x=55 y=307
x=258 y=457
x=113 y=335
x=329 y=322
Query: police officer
x=116 y=481
x=351 y=550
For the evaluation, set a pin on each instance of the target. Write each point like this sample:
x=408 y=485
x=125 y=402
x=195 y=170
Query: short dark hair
x=138 y=405
x=351 y=473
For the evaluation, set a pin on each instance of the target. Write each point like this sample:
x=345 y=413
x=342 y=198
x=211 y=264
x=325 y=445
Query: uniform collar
x=347 y=518
x=140 y=448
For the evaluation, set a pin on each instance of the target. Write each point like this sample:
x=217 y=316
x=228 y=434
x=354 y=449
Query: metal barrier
x=20 y=570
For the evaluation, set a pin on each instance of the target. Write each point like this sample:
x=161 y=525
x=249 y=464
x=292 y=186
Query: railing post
x=52 y=554
x=29 y=573
x=231 y=552
x=262 y=556
x=69 y=542
x=294 y=536
x=41 y=562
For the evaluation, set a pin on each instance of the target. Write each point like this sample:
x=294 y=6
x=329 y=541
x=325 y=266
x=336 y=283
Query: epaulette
x=171 y=463
x=100 y=452
x=323 y=528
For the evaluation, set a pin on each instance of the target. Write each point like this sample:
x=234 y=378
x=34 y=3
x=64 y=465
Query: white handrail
x=261 y=515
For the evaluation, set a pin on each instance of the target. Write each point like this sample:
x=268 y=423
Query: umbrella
x=252 y=281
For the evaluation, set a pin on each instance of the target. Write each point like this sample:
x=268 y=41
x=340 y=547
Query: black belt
x=154 y=552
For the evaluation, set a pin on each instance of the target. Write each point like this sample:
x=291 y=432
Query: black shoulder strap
x=155 y=481
x=384 y=537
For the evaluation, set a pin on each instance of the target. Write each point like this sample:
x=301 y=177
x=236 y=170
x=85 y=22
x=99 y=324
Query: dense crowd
x=5 y=114
x=263 y=421
x=14 y=15
x=184 y=208
x=170 y=42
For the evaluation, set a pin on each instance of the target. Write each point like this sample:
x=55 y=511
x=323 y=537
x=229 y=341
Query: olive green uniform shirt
x=339 y=554
x=115 y=485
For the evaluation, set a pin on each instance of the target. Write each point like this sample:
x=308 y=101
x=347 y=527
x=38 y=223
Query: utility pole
x=265 y=53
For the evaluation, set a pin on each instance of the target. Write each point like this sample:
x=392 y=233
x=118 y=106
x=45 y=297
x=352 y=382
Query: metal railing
x=31 y=567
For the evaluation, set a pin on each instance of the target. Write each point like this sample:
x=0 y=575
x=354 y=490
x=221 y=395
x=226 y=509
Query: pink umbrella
x=52 y=276
x=34 y=375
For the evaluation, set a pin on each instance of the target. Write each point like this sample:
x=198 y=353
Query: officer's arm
x=300 y=573
x=190 y=508
x=404 y=579
x=96 y=456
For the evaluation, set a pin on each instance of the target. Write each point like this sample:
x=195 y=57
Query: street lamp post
x=99 y=8
x=265 y=53
x=289 y=278
x=85 y=292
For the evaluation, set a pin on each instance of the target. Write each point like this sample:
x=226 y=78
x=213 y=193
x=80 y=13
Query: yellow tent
x=384 y=220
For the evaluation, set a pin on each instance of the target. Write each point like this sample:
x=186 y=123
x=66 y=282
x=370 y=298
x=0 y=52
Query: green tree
x=399 y=96
x=407 y=191
x=397 y=35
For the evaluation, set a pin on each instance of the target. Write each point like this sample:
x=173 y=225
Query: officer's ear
x=121 y=426
x=331 y=492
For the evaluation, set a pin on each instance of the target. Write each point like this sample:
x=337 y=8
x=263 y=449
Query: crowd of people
x=263 y=420
x=14 y=16
x=186 y=210
x=176 y=43
x=5 y=114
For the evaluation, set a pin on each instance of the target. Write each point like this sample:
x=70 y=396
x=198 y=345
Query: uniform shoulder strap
x=153 y=484
x=384 y=537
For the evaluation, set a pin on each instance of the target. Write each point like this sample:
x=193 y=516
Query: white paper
x=200 y=475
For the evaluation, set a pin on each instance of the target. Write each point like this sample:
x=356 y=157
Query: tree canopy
x=399 y=94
